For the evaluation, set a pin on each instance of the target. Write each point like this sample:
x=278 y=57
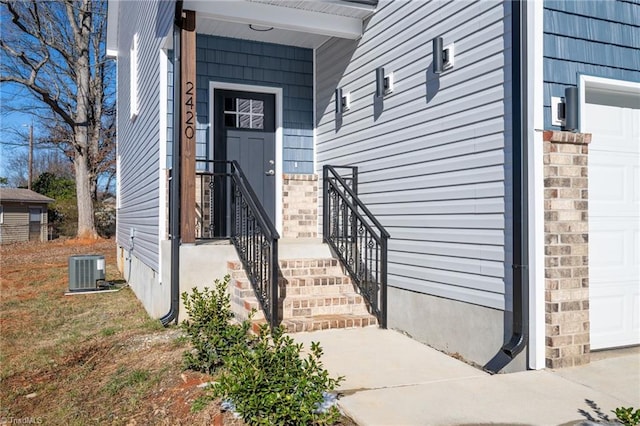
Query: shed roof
x=23 y=195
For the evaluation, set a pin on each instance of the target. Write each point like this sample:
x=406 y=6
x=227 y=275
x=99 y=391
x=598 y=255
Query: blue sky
x=12 y=122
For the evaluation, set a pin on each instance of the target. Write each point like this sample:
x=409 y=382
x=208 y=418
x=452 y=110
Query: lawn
x=85 y=359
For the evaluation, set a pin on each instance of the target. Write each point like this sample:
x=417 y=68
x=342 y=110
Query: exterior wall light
x=443 y=57
x=343 y=103
x=565 y=111
x=571 y=107
x=384 y=83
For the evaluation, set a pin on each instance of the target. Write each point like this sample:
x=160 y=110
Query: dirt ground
x=91 y=358
x=86 y=359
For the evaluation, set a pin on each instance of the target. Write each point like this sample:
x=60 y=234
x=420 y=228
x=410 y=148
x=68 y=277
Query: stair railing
x=256 y=240
x=356 y=236
x=251 y=231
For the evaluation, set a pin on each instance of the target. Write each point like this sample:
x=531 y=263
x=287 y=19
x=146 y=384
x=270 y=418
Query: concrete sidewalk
x=391 y=379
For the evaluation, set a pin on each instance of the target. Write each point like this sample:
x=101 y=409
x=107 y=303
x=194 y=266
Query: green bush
x=627 y=416
x=271 y=384
x=209 y=328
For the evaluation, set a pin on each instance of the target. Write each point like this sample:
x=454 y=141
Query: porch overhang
x=292 y=22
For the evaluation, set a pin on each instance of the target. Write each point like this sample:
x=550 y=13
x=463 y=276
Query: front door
x=245 y=132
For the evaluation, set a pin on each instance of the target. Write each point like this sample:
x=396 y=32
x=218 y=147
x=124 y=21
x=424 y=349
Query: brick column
x=300 y=206
x=566 y=231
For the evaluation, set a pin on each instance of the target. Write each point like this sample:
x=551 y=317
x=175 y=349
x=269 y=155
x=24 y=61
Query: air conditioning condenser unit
x=85 y=271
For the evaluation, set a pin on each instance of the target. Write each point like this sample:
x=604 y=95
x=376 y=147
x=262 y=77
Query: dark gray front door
x=245 y=132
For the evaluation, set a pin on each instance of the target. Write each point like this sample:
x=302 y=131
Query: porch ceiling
x=293 y=22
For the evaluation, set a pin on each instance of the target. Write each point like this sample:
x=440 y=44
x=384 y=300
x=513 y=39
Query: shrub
x=209 y=328
x=271 y=384
x=627 y=416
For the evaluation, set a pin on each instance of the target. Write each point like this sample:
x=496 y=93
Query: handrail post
x=274 y=284
x=325 y=204
x=383 y=282
x=354 y=179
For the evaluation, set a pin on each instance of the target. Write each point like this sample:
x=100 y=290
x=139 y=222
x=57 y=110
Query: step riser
x=242 y=289
x=293 y=275
x=295 y=310
x=298 y=268
x=297 y=326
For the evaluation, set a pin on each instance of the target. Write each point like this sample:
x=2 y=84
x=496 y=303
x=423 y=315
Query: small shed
x=23 y=215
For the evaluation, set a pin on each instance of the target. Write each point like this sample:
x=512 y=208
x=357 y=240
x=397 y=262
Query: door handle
x=270 y=173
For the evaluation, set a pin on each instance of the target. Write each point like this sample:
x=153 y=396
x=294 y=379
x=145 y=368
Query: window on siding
x=1 y=215
x=133 y=76
x=35 y=214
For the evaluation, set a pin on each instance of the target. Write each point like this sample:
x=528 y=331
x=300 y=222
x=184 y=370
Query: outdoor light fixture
x=342 y=102
x=260 y=28
x=384 y=83
x=442 y=56
x=571 y=109
x=564 y=111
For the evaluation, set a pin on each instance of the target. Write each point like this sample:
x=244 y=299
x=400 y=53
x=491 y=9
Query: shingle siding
x=596 y=38
x=262 y=64
x=138 y=140
x=431 y=155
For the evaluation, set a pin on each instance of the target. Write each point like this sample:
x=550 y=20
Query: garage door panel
x=615 y=127
x=614 y=224
x=613 y=185
x=618 y=308
x=607 y=248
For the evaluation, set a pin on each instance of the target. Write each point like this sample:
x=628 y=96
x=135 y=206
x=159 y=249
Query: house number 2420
x=189 y=129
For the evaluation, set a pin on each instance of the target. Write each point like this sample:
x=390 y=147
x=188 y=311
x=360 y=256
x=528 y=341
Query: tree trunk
x=86 y=224
x=81 y=161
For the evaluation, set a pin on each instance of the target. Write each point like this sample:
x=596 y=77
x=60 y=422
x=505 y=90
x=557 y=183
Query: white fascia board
x=113 y=7
x=278 y=17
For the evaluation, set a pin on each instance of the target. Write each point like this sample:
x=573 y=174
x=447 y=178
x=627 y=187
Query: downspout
x=520 y=269
x=174 y=197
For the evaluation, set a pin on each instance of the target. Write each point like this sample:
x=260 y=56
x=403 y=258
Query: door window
x=242 y=113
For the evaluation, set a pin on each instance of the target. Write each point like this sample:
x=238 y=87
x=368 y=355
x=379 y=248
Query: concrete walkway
x=391 y=379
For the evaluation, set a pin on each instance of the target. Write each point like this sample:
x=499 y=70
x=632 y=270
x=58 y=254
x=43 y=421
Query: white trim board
x=277 y=91
x=588 y=83
x=535 y=123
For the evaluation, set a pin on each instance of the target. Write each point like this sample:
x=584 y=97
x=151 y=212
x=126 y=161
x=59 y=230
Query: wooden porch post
x=188 y=134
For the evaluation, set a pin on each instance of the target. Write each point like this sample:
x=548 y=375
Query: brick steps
x=323 y=322
x=315 y=294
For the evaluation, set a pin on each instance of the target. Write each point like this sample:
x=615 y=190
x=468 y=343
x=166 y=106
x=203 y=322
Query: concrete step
x=308 y=248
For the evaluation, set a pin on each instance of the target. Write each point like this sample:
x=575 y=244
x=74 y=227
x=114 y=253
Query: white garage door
x=614 y=217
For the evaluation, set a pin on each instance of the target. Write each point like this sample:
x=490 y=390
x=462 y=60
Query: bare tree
x=56 y=50
x=44 y=160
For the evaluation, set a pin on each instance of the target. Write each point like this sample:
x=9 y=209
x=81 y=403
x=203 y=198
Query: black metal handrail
x=357 y=237
x=251 y=231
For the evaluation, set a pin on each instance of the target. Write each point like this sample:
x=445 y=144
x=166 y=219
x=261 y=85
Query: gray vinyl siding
x=262 y=64
x=15 y=223
x=431 y=155
x=596 y=38
x=138 y=140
